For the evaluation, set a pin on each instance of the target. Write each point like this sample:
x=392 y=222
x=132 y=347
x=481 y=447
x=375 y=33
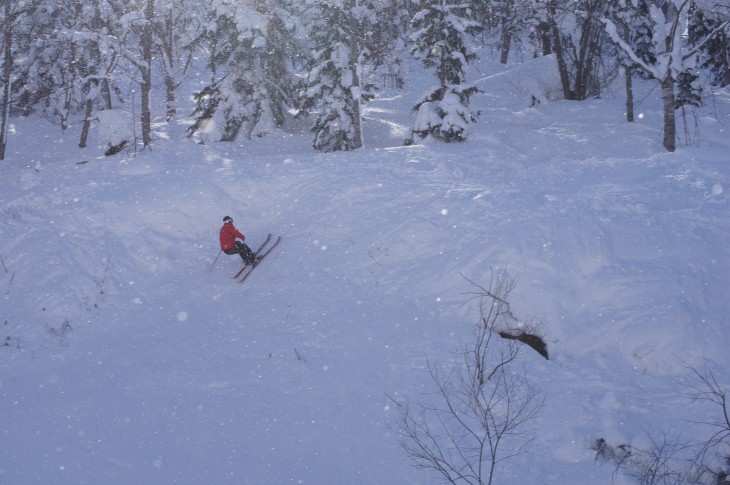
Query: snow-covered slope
x=130 y=359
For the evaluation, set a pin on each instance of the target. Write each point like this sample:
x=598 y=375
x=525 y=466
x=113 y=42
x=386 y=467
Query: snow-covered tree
x=177 y=24
x=673 y=56
x=47 y=80
x=508 y=23
x=333 y=92
x=440 y=40
x=99 y=60
x=574 y=33
x=16 y=23
x=633 y=24
x=281 y=81
x=65 y=72
x=252 y=86
x=515 y=21
x=72 y=61
x=714 y=54
x=382 y=43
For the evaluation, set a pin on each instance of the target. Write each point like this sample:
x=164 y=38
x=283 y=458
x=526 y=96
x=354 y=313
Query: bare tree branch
x=482 y=400
x=671 y=461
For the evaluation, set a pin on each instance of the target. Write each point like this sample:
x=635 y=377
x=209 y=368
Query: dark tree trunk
x=557 y=46
x=355 y=89
x=146 y=84
x=672 y=14
x=356 y=96
x=585 y=64
x=170 y=85
x=506 y=39
x=668 y=100
x=6 y=78
x=545 y=37
x=170 y=88
x=629 y=95
x=88 y=112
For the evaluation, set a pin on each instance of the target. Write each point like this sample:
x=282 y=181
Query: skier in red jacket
x=229 y=245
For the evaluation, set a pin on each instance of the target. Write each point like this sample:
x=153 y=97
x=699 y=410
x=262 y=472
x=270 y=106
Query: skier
x=229 y=245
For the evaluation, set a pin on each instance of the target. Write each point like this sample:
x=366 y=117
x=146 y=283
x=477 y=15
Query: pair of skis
x=259 y=256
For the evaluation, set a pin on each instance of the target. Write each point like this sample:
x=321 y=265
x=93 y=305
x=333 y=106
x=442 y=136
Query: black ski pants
x=242 y=250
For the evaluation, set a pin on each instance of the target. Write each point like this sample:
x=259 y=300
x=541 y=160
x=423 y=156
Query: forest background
x=258 y=64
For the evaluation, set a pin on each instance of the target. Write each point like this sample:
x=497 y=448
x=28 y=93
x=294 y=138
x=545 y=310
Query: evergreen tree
x=66 y=73
x=252 y=85
x=333 y=91
x=281 y=82
x=382 y=24
x=714 y=55
x=47 y=79
x=440 y=42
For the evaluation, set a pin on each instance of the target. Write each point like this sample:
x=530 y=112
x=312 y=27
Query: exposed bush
x=483 y=405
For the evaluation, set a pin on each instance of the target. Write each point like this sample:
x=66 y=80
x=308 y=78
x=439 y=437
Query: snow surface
x=130 y=358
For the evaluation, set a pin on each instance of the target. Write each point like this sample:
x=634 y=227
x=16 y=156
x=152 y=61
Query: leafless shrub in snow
x=670 y=461
x=480 y=413
x=712 y=455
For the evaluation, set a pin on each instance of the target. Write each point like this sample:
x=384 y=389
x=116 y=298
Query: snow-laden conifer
x=251 y=87
x=333 y=91
x=441 y=41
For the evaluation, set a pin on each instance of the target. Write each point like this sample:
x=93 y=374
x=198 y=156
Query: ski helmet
x=227 y=219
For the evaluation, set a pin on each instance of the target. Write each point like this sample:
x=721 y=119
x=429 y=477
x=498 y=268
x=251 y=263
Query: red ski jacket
x=228 y=236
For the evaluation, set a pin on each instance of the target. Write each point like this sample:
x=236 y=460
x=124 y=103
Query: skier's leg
x=245 y=252
x=250 y=256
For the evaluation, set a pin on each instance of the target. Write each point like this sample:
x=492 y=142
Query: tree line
x=261 y=62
